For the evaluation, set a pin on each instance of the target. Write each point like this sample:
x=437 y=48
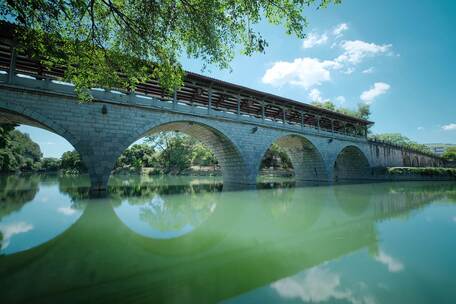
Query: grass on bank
x=424 y=171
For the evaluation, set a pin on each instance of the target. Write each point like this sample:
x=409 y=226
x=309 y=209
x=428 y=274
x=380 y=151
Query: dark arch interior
x=351 y=164
x=306 y=161
x=227 y=155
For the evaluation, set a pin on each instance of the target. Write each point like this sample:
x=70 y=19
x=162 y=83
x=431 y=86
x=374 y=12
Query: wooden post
x=318 y=121
x=238 y=106
x=174 y=99
x=209 y=94
x=302 y=120
x=332 y=126
x=262 y=110
x=12 y=67
x=284 y=118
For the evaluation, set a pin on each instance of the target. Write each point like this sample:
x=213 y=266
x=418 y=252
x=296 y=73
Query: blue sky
x=398 y=56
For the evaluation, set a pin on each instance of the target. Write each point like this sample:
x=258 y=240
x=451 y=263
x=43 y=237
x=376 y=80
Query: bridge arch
x=17 y=114
x=351 y=164
x=306 y=159
x=228 y=154
x=14 y=113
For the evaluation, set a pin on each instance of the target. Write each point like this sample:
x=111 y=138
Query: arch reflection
x=164 y=208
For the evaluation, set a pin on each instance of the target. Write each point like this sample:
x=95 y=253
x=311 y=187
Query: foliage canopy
x=450 y=154
x=17 y=151
x=142 y=39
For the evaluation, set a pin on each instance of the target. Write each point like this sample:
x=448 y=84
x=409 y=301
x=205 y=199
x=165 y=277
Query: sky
x=397 y=56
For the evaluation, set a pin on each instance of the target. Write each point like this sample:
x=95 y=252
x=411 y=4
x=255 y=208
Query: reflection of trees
x=175 y=213
x=16 y=191
x=187 y=203
x=76 y=187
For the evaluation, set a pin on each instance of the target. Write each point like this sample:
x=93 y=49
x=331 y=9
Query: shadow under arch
x=306 y=159
x=228 y=155
x=351 y=164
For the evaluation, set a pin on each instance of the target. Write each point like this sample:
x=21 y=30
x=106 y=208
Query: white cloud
x=356 y=50
x=66 y=210
x=393 y=264
x=12 y=229
x=314 y=39
x=368 y=71
x=317 y=285
x=340 y=100
x=306 y=72
x=339 y=29
x=449 y=127
x=315 y=95
x=420 y=128
x=378 y=89
x=348 y=71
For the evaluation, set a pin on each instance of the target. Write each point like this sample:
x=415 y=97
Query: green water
x=185 y=240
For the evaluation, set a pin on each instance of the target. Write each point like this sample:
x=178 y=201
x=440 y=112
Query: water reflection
x=33 y=211
x=164 y=208
x=343 y=243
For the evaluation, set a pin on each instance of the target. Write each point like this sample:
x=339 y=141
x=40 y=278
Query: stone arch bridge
x=239 y=124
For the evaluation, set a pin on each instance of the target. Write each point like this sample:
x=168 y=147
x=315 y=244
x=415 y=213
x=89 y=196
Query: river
x=186 y=240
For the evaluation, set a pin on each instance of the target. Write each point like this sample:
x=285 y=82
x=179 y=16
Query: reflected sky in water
x=33 y=211
x=185 y=240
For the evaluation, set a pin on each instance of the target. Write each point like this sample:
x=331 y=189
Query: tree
x=5 y=136
x=175 y=151
x=362 y=112
x=450 y=154
x=276 y=157
x=71 y=162
x=97 y=41
x=50 y=164
x=202 y=156
x=19 y=153
x=137 y=157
